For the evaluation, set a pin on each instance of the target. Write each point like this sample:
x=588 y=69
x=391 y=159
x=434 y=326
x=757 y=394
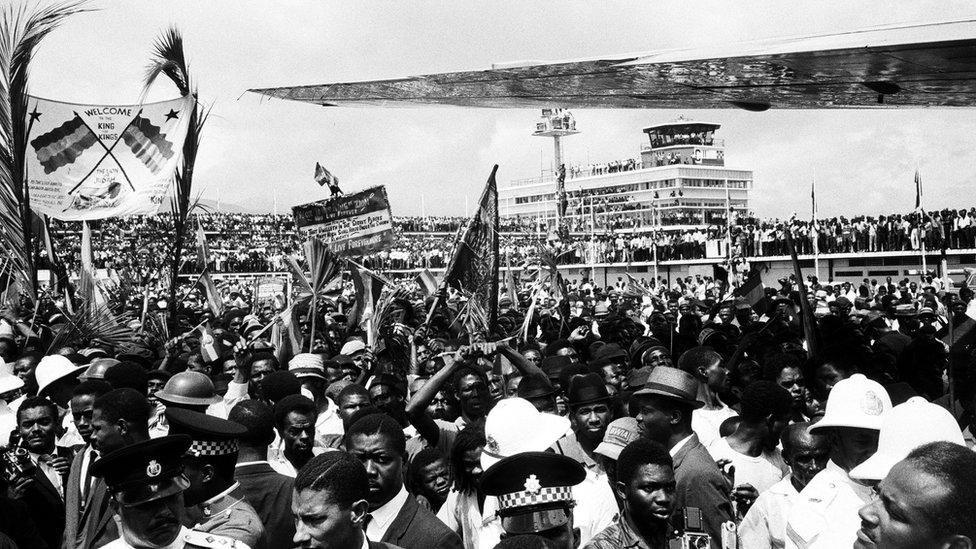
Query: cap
x=352 y=347
x=855 y=402
x=637 y=378
x=843 y=302
x=554 y=365
x=212 y=436
x=619 y=434
x=535 y=386
x=145 y=471
x=673 y=383
x=158 y=375
x=190 y=389
x=609 y=353
x=51 y=368
x=307 y=365
x=514 y=426
x=534 y=490
x=587 y=389
x=905 y=427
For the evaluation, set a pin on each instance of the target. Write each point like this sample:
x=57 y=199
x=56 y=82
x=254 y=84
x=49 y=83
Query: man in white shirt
x=824 y=516
x=764 y=525
x=707 y=367
x=751 y=448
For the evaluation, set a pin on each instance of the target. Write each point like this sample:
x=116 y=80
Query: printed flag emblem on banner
x=98 y=161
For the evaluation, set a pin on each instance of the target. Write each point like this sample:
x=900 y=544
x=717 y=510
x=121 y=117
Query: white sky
x=863 y=161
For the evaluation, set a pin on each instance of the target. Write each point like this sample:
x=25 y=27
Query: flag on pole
x=147 y=143
x=203 y=250
x=368 y=286
x=474 y=266
x=813 y=199
x=208 y=345
x=427 y=282
x=752 y=289
x=213 y=296
x=918 y=190
x=87 y=259
x=324 y=177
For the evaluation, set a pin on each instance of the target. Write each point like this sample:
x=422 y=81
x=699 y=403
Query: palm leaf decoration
x=93 y=320
x=169 y=59
x=21 y=32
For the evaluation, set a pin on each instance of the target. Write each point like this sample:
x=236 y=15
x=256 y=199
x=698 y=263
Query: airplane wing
x=913 y=65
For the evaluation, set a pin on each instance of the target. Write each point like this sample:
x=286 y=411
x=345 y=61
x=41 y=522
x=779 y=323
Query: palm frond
x=94 y=322
x=21 y=32
x=169 y=59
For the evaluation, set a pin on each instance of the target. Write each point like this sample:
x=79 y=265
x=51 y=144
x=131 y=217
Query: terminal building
x=679 y=181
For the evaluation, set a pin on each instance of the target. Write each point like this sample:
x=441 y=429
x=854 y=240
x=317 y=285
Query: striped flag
x=324 y=177
x=368 y=286
x=213 y=296
x=752 y=289
x=148 y=144
x=203 y=250
x=427 y=282
x=208 y=345
x=64 y=144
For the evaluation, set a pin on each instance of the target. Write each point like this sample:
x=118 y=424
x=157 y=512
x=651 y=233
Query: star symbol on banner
x=35 y=116
x=172 y=114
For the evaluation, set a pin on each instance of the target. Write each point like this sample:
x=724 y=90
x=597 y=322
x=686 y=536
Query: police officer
x=825 y=513
x=214 y=501
x=146 y=482
x=535 y=495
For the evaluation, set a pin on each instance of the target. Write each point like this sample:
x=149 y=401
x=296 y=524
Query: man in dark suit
x=119 y=418
x=78 y=492
x=377 y=440
x=664 y=409
x=264 y=488
x=329 y=503
x=42 y=489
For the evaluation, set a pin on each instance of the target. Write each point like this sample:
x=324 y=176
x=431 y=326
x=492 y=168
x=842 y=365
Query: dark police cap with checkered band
x=534 y=490
x=212 y=436
x=144 y=471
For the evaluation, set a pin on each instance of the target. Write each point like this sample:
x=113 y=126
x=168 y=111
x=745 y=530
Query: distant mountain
x=228 y=207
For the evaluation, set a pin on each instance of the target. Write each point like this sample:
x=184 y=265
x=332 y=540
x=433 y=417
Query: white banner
x=98 y=161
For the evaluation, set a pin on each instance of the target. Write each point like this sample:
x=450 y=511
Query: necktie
x=366 y=519
x=86 y=486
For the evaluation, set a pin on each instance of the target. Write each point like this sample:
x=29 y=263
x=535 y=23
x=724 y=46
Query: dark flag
x=813 y=199
x=752 y=289
x=720 y=273
x=474 y=267
x=918 y=190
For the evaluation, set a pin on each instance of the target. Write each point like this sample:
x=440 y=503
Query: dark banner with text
x=353 y=224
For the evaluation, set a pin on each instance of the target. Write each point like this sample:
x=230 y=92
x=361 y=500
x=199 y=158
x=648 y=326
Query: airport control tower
x=557 y=123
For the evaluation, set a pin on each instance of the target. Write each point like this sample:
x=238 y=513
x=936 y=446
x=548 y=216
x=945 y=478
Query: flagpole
x=813 y=224
x=921 y=218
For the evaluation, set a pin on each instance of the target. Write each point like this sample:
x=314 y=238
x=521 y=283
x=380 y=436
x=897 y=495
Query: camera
x=688 y=530
x=17 y=464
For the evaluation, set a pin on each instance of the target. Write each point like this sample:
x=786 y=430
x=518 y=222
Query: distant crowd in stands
x=260 y=243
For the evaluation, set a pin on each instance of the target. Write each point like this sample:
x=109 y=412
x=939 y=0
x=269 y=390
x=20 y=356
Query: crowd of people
x=641 y=414
x=242 y=243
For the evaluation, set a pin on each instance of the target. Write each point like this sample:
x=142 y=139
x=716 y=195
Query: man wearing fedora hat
x=664 y=409
x=589 y=414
